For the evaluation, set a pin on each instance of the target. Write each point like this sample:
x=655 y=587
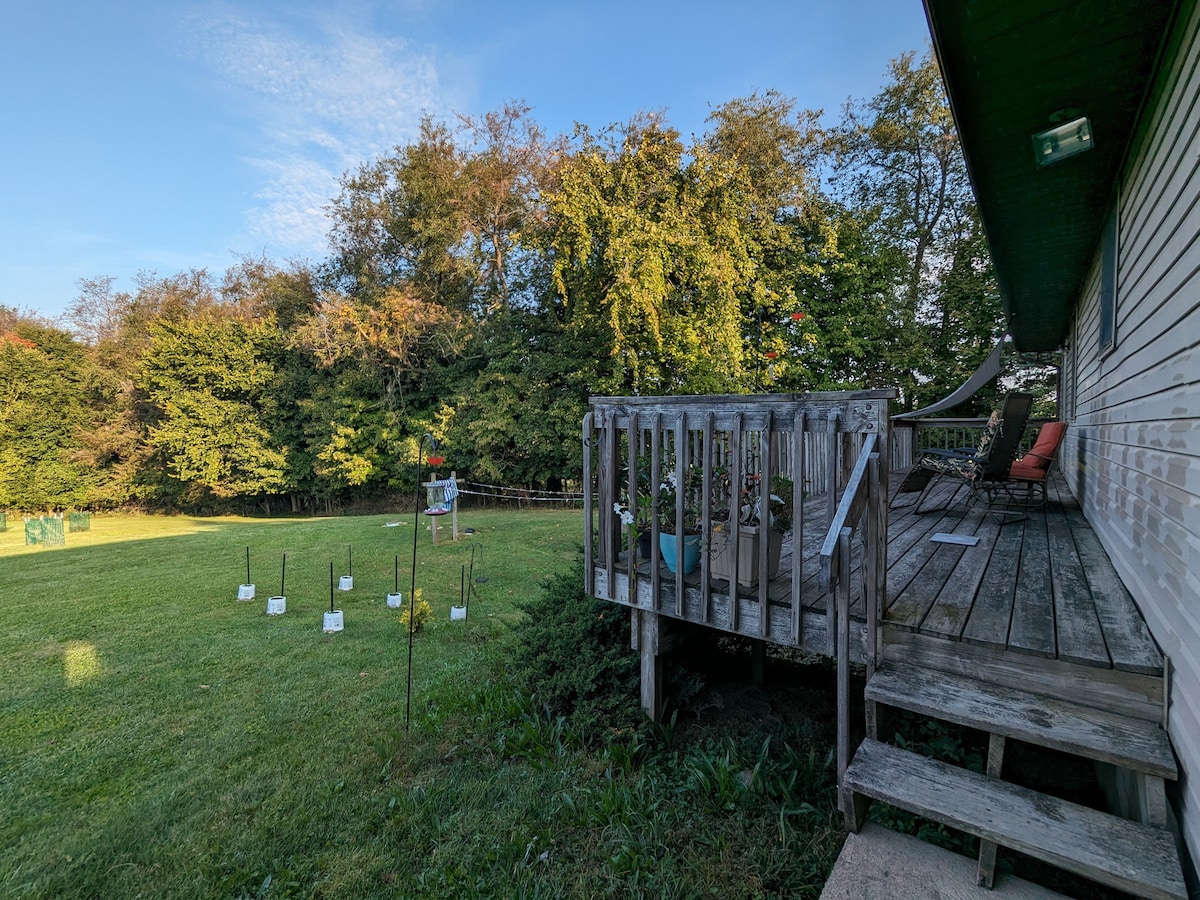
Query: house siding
x=1132 y=453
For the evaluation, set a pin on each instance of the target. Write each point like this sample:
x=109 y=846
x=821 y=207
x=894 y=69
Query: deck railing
x=717 y=458
x=865 y=493
x=911 y=436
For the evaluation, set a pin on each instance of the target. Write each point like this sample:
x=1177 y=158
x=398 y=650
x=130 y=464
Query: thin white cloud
x=324 y=98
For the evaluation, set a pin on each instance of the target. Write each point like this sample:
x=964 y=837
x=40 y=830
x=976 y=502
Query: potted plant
x=671 y=529
x=751 y=530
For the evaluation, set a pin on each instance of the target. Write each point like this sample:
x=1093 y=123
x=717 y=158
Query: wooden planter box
x=721 y=553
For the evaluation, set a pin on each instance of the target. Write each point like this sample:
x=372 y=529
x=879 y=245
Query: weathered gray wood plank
x=1124 y=693
x=1032 y=627
x=1130 y=645
x=908 y=609
x=949 y=614
x=1117 y=852
x=991 y=615
x=1079 y=637
x=1022 y=715
x=907 y=565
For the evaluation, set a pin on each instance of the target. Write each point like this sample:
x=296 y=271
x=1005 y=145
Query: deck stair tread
x=1034 y=718
x=1127 y=855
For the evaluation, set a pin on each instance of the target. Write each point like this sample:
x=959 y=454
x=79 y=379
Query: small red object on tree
x=436 y=460
x=797 y=316
x=771 y=354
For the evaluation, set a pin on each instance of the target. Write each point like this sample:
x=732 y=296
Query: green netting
x=79 y=521
x=47 y=530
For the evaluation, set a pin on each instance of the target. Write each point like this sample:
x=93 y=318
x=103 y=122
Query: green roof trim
x=1014 y=68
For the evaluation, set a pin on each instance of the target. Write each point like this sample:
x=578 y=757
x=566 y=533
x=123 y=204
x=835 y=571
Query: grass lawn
x=161 y=739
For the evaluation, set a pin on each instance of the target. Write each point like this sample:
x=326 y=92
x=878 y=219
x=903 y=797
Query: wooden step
x=1046 y=721
x=1126 y=855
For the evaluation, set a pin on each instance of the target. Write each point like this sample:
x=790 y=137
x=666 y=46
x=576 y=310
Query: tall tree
x=651 y=245
x=42 y=415
x=898 y=159
x=210 y=379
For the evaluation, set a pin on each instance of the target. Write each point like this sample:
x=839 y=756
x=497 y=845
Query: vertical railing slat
x=735 y=506
x=875 y=534
x=656 y=495
x=681 y=461
x=706 y=518
x=764 y=523
x=843 y=656
x=589 y=573
x=607 y=498
x=797 y=527
x=635 y=436
x=831 y=501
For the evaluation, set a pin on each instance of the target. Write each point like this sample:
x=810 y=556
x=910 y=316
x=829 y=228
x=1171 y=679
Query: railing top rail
x=709 y=400
x=855 y=411
x=953 y=423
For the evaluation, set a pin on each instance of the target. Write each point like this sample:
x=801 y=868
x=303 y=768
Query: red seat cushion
x=1025 y=472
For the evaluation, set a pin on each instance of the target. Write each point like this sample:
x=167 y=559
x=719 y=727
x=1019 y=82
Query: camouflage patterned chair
x=984 y=469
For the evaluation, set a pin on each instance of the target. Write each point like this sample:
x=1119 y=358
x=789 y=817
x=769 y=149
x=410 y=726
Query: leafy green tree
x=398 y=224
x=650 y=245
x=515 y=421
x=210 y=380
x=42 y=414
x=899 y=165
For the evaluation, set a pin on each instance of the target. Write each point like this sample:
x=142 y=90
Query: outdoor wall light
x=1062 y=141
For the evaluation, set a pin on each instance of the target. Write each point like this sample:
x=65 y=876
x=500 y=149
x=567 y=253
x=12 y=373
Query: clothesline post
x=454 y=509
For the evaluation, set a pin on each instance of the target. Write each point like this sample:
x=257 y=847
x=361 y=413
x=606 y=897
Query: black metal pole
x=282 y=575
x=412 y=589
x=331 y=587
x=247 y=565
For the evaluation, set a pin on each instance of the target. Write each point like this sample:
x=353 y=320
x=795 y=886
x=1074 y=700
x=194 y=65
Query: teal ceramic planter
x=691 y=551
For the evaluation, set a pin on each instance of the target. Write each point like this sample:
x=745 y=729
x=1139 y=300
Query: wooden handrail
x=849 y=511
x=863 y=493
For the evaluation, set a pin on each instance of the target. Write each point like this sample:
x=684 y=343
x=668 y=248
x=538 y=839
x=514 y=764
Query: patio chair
x=985 y=469
x=1028 y=474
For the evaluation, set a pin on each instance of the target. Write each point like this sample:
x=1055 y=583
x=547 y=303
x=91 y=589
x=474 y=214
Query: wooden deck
x=1040 y=588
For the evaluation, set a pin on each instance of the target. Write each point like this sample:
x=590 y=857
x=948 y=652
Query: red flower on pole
x=797 y=316
x=436 y=460
x=771 y=354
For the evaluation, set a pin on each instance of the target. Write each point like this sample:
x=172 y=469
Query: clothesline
x=501 y=487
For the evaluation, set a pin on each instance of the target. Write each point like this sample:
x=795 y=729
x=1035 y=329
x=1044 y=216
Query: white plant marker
x=334 y=620
x=246 y=591
x=277 y=606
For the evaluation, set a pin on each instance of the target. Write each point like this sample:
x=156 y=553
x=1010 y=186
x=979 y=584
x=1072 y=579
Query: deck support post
x=758 y=659
x=987 y=849
x=1133 y=795
x=649 y=641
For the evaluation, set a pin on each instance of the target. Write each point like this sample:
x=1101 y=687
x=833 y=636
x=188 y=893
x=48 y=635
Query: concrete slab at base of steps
x=881 y=864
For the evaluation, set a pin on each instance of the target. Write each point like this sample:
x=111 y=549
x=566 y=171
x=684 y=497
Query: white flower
x=617 y=508
x=626 y=518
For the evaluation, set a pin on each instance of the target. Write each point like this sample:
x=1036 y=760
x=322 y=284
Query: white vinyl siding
x=1132 y=454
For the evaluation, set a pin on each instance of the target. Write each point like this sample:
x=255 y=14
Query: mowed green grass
x=160 y=738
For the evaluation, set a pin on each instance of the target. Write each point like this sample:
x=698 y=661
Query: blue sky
x=157 y=137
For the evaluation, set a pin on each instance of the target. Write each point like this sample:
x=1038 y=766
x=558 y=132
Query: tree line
x=484 y=279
